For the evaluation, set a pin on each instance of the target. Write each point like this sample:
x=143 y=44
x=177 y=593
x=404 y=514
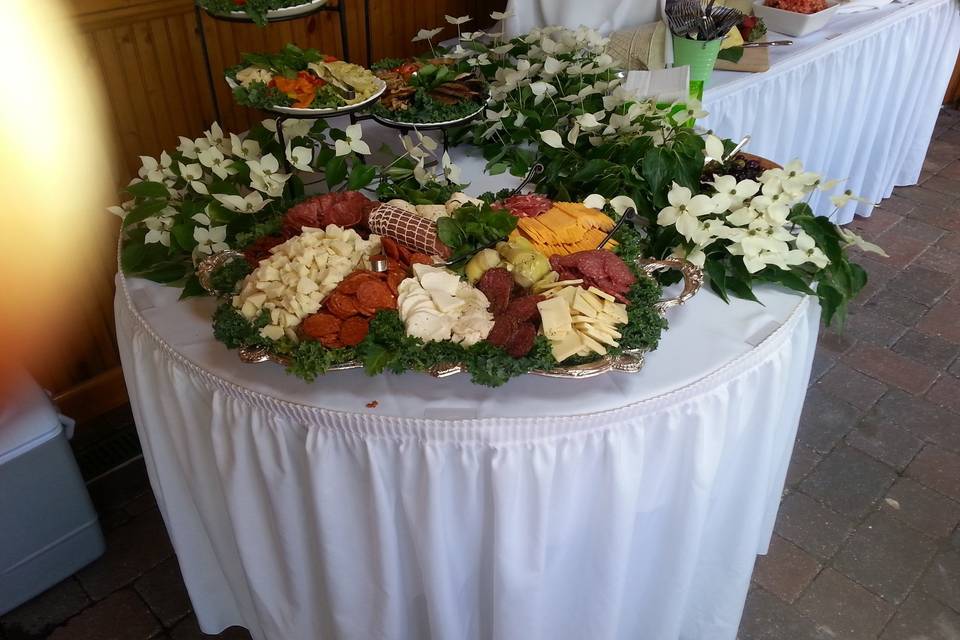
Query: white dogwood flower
x=853 y=239
x=211 y=239
x=501 y=15
x=300 y=157
x=730 y=193
x=158 y=230
x=450 y=170
x=353 y=142
x=806 y=251
x=297 y=127
x=214 y=159
x=713 y=147
x=458 y=20
x=250 y=203
x=684 y=210
x=265 y=176
x=244 y=148
x=426 y=34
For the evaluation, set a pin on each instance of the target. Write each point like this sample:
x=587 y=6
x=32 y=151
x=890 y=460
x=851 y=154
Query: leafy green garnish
x=255 y=9
x=472 y=227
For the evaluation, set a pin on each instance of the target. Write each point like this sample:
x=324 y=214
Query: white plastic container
x=48 y=527
x=792 y=23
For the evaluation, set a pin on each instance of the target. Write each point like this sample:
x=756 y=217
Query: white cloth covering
x=604 y=15
x=621 y=507
x=857 y=100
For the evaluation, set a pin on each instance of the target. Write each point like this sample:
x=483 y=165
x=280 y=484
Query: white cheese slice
x=555 y=316
x=593 y=345
x=582 y=304
x=567 y=346
x=446 y=303
x=440 y=280
x=600 y=336
x=603 y=294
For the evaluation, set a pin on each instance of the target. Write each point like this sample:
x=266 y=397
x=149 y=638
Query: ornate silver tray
x=630 y=361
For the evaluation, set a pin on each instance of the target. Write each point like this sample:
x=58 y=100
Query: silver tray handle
x=692 y=278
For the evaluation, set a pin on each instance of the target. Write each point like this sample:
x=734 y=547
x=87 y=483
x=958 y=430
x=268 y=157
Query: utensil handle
x=692 y=278
x=535 y=170
x=770 y=43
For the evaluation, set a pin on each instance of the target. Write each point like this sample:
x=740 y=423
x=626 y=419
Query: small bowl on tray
x=792 y=23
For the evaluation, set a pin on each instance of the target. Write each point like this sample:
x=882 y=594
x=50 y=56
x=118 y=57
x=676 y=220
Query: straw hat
x=641 y=47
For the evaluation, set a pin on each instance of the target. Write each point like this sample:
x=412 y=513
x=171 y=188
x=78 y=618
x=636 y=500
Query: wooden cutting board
x=755 y=60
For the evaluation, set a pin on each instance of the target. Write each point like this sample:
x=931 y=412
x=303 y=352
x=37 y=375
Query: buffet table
x=405 y=507
x=857 y=100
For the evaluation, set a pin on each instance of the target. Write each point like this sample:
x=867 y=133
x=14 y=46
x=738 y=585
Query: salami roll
x=408 y=229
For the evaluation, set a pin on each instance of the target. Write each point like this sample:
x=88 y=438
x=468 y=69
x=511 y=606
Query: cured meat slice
x=496 y=284
x=373 y=296
x=354 y=330
x=342 y=305
x=525 y=308
x=503 y=329
x=522 y=340
x=527 y=205
x=260 y=249
x=344 y=209
x=320 y=325
x=420 y=258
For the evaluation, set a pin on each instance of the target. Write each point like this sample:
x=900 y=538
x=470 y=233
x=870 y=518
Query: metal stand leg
x=206 y=60
x=366 y=31
x=283 y=144
x=344 y=40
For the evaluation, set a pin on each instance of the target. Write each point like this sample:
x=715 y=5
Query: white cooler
x=48 y=527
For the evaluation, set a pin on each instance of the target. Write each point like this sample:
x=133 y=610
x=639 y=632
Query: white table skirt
x=621 y=507
x=857 y=100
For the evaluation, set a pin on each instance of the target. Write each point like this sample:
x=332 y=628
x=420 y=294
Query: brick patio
x=867 y=543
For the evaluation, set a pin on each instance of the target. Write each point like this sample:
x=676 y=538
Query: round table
x=405 y=507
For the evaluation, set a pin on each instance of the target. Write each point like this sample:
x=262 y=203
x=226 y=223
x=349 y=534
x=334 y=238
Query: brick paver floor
x=867 y=543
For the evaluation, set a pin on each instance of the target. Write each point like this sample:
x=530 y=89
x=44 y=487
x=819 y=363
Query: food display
x=259 y=11
x=301 y=79
x=430 y=91
x=565 y=228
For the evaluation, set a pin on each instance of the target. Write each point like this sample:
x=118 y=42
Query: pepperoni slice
x=320 y=325
x=355 y=280
x=353 y=331
x=390 y=247
x=342 y=305
x=375 y=295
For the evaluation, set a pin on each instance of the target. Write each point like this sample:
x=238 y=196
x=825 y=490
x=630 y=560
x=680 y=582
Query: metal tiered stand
x=304 y=11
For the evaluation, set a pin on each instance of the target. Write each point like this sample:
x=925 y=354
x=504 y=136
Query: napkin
x=666 y=84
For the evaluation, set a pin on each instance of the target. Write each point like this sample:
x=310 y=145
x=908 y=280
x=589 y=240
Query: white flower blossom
x=300 y=157
x=213 y=159
x=250 y=203
x=297 y=127
x=265 y=176
x=247 y=149
x=457 y=21
x=211 y=240
x=730 y=193
x=501 y=15
x=158 y=230
x=806 y=251
x=853 y=239
x=450 y=170
x=426 y=34
x=353 y=142
x=845 y=197
x=684 y=210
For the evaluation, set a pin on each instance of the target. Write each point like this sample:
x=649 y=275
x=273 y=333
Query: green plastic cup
x=699 y=55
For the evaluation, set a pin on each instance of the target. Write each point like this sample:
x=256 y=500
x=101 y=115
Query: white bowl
x=792 y=23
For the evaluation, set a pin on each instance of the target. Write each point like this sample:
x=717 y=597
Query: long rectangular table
x=857 y=100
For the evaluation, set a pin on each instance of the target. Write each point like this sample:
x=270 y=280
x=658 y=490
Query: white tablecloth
x=621 y=507
x=857 y=100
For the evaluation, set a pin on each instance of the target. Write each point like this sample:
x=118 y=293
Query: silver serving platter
x=630 y=361
x=426 y=126
x=325 y=112
x=283 y=13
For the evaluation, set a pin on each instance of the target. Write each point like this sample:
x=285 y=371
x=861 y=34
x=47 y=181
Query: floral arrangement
x=223 y=191
x=557 y=99
x=256 y=10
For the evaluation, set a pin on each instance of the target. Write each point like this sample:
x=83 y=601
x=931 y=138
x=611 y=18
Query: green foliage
x=226 y=278
x=471 y=228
